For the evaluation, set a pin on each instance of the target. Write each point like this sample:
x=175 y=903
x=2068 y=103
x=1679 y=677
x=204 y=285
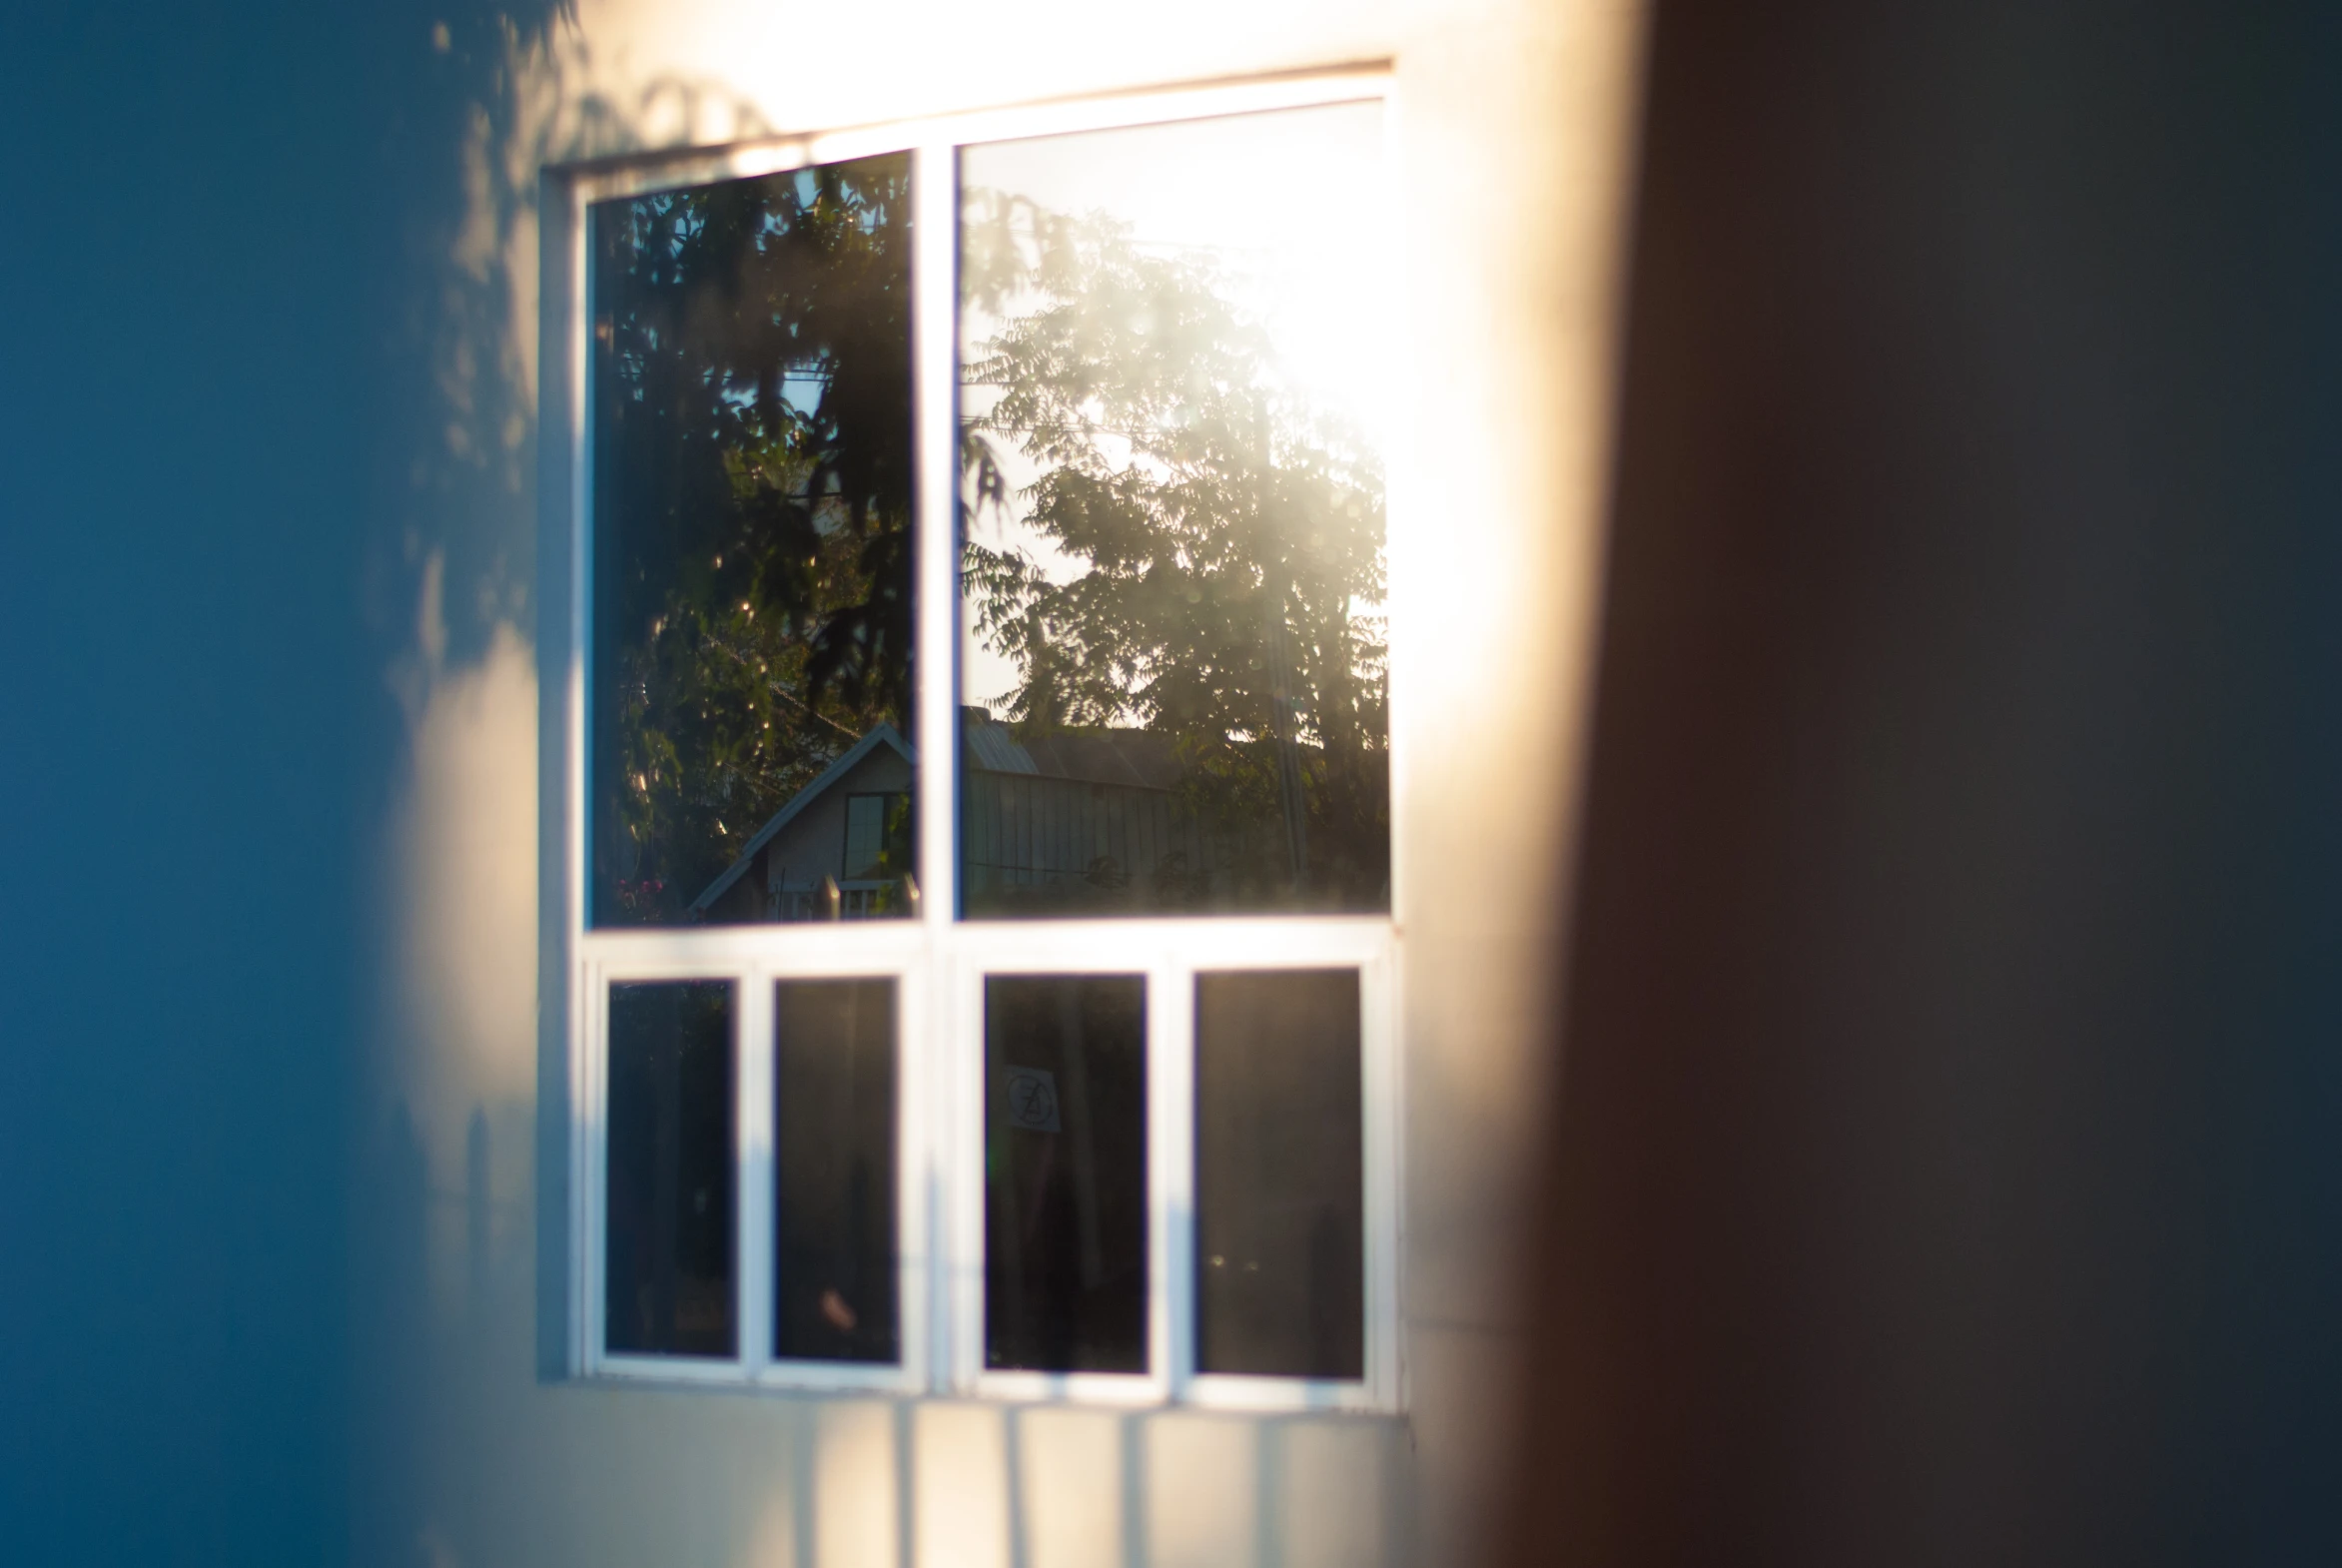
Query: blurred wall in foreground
x=1950 y=1163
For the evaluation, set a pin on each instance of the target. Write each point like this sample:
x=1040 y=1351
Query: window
x=975 y=815
x=878 y=836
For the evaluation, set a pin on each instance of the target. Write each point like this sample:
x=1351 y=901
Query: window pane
x=1174 y=356
x=834 y=1168
x=1279 y=1199
x=670 y=1170
x=1064 y=1234
x=878 y=836
x=751 y=544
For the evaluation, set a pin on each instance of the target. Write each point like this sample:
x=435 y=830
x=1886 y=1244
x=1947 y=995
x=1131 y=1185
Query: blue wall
x=213 y=219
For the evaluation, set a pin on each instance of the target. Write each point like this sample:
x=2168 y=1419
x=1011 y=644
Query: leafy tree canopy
x=753 y=510
x=1224 y=536
x=1214 y=540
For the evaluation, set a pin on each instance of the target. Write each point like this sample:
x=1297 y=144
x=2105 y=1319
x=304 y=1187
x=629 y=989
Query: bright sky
x=1298 y=200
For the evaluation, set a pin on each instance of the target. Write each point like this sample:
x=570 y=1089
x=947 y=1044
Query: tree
x=1226 y=538
x=752 y=506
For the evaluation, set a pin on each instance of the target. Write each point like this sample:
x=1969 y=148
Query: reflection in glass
x=1279 y=1201
x=1172 y=363
x=1065 y=1234
x=834 y=1158
x=753 y=620
x=670 y=1170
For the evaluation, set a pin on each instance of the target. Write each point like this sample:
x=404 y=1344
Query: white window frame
x=937 y=960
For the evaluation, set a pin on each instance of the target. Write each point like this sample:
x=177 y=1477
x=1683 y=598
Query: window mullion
x=593 y=1151
x=753 y=1069
x=1170 y=1136
x=958 y=1086
x=935 y=360
x=1383 y=1147
x=919 y=1237
x=932 y=1134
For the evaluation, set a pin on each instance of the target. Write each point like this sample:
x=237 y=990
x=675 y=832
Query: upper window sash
x=936 y=146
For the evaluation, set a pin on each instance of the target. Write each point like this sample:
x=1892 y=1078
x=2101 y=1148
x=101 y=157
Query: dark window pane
x=670 y=1170
x=834 y=1170
x=878 y=836
x=1279 y=1201
x=1174 y=364
x=752 y=616
x=1065 y=1236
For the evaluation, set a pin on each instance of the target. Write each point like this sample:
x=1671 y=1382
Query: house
x=1089 y=818
x=1080 y=817
x=840 y=849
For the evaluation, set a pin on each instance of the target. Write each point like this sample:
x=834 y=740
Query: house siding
x=1025 y=831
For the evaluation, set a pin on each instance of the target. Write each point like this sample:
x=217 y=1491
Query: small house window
x=878 y=836
x=979 y=779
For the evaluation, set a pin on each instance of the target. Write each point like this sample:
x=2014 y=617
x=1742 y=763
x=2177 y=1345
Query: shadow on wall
x=450 y=591
x=482 y=1463
x=507 y=94
x=484 y=96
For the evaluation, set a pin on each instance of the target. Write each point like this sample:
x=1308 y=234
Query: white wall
x=1514 y=121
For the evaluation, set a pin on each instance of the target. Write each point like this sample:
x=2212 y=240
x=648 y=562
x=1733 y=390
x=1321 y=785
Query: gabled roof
x=882 y=735
x=1132 y=758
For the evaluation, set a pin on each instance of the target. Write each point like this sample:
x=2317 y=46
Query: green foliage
x=753 y=483
x=1226 y=536
x=752 y=503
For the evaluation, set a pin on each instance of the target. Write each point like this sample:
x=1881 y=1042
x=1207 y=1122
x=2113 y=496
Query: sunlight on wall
x=962 y=1511
x=463 y=872
x=854 y=1482
x=1203 y=1499
x=908 y=57
x=1071 y=1470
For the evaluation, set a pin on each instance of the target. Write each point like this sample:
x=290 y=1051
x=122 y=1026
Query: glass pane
x=1174 y=356
x=878 y=836
x=834 y=1139
x=670 y=1170
x=1279 y=1196
x=1064 y=1234
x=751 y=545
